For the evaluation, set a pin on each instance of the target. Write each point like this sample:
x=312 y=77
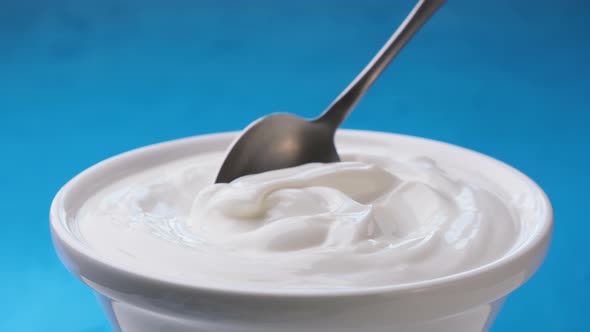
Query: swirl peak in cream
x=307 y=207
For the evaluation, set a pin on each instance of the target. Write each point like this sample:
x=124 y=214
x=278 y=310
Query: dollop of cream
x=314 y=207
x=366 y=221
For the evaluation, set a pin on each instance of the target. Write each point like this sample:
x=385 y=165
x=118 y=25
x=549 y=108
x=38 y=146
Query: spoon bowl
x=278 y=141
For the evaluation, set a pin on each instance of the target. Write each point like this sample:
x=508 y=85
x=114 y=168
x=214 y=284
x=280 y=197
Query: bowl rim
x=65 y=241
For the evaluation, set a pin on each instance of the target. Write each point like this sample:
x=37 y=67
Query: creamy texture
x=367 y=221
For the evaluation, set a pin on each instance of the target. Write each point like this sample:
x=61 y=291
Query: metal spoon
x=285 y=140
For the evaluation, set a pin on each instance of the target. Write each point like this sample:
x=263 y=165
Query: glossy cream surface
x=370 y=220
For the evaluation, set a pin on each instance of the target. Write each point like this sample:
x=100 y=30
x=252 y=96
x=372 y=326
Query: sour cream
x=370 y=220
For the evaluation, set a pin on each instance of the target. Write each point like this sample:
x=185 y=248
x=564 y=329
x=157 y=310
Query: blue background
x=83 y=80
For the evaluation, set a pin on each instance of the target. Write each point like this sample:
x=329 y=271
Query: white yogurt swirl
x=366 y=221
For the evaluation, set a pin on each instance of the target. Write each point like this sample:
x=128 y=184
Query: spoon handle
x=345 y=102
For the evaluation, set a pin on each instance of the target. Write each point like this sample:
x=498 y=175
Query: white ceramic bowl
x=467 y=301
